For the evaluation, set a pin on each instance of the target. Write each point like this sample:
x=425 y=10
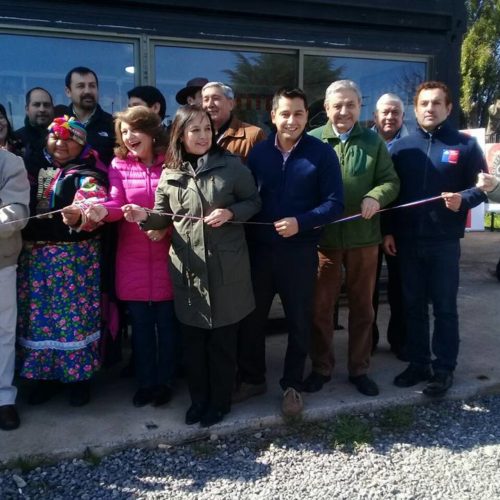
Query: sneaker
x=439 y=383
x=365 y=385
x=246 y=391
x=9 y=418
x=413 y=375
x=315 y=382
x=292 y=404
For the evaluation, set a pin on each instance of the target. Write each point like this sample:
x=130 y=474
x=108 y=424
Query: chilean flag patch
x=450 y=156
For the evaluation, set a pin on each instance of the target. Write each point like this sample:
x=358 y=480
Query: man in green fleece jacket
x=370 y=183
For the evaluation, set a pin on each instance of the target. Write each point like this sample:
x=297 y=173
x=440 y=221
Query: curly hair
x=144 y=120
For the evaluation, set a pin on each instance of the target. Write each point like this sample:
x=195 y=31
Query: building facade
x=255 y=47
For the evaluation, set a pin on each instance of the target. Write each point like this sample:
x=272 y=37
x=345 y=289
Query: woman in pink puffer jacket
x=142 y=277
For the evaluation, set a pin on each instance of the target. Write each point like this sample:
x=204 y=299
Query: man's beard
x=87 y=104
x=42 y=121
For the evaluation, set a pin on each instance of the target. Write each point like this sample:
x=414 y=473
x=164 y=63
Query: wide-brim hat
x=191 y=88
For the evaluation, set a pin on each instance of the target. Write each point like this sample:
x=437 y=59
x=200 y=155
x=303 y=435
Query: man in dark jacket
x=434 y=160
x=300 y=185
x=39 y=115
x=82 y=87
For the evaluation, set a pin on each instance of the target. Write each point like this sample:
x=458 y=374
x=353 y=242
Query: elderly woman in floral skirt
x=59 y=298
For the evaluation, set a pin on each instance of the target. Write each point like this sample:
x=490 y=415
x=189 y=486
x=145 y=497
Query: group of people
x=213 y=220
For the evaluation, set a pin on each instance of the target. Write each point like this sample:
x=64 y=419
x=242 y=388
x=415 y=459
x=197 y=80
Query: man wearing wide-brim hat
x=191 y=93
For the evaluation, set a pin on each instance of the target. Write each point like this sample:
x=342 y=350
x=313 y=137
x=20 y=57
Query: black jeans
x=430 y=272
x=153 y=336
x=289 y=270
x=210 y=360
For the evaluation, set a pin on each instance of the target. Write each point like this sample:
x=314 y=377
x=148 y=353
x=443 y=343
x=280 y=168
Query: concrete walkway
x=110 y=422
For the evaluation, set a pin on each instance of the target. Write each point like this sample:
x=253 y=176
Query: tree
x=480 y=64
x=260 y=75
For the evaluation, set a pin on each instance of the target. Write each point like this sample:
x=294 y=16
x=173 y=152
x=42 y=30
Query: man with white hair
x=232 y=134
x=388 y=116
x=370 y=183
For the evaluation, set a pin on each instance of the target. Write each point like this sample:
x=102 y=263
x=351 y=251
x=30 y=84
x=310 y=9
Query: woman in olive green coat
x=209 y=191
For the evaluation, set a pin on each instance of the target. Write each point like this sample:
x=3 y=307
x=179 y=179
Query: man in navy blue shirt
x=434 y=160
x=300 y=185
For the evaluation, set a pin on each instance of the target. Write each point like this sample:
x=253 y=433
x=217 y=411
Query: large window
x=32 y=61
x=254 y=76
x=374 y=76
x=27 y=61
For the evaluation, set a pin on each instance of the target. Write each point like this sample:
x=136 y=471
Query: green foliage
x=490 y=217
x=398 y=418
x=480 y=64
x=25 y=464
x=91 y=457
x=350 y=431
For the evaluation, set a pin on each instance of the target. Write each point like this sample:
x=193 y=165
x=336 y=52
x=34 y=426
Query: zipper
x=150 y=249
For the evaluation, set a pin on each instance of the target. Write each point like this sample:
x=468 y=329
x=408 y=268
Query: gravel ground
x=444 y=450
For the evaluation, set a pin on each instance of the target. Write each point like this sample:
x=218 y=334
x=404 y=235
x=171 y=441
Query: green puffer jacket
x=209 y=267
x=367 y=171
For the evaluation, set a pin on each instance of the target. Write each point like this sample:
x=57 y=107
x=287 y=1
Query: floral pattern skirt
x=59 y=310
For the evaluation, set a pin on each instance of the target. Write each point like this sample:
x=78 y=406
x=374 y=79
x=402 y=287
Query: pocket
x=233 y=263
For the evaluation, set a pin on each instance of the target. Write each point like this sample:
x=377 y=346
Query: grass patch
x=91 y=457
x=25 y=464
x=398 y=418
x=350 y=431
x=204 y=448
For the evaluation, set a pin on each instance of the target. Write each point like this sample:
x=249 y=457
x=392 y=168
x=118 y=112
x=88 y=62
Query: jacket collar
x=439 y=131
x=235 y=128
x=329 y=134
x=214 y=160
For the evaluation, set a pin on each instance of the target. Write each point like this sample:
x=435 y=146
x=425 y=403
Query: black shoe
x=365 y=385
x=212 y=417
x=162 y=395
x=43 y=391
x=194 y=413
x=439 y=384
x=9 y=418
x=413 y=375
x=315 y=382
x=143 y=397
x=79 y=393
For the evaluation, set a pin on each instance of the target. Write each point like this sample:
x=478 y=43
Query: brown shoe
x=292 y=403
x=246 y=391
x=9 y=419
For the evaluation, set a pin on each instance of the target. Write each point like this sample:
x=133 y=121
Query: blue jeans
x=430 y=273
x=154 y=340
